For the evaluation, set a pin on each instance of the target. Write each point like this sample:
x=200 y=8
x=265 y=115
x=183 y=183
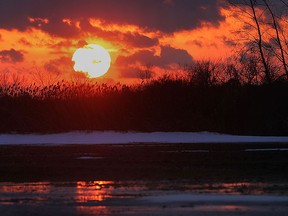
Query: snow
x=110 y=137
x=215 y=198
x=267 y=149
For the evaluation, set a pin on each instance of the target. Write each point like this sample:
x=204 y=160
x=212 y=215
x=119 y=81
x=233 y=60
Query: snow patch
x=215 y=198
x=110 y=137
x=267 y=149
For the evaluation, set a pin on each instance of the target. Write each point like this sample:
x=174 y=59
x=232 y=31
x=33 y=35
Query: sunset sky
x=39 y=37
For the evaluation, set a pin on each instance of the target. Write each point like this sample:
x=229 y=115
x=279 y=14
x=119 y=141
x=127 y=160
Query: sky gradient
x=39 y=37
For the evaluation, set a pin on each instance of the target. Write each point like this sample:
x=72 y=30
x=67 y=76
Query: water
x=143 y=180
x=141 y=198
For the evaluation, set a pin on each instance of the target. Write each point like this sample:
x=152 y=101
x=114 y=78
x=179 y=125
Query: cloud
x=25 y=42
x=140 y=41
x=58 y=66
x=168 y=56
x=11 y=56
x=143 y=57
x=198 y=43
x=168 y=2
x=56 y=27
x=61 y=44
x=130 y=39
x=164 y=15
x=131 y=72
x=229 y=42
x=81 y=43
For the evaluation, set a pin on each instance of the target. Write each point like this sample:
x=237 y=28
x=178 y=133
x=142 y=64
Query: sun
x=92 y=59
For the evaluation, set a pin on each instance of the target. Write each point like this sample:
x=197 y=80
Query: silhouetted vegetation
x=262 y=36
x=198 y=102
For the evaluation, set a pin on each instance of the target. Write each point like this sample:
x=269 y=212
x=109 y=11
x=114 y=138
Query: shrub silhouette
x=164 y=104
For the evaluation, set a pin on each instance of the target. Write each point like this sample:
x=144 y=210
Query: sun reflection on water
x=34 y=187
x=222 y=208
x=93 y=191
x=93 y=210
x=107 y=197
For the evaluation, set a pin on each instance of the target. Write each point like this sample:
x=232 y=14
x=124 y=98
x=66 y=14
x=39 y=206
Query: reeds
x=165 y=104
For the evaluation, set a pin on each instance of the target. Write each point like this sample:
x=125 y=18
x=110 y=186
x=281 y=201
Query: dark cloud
x=57 y=27
x=11 y=56
x=278 y=7
x=165 y=15
x=59 y=65
x=81 y=43
x=138 y=40
x=168 y=56
x=61 y=44
x=259 y=3
x=143 y=57
x=197 y=43
x=25 y=42
x=130 y=39
x=229 y=42
x=131 y=72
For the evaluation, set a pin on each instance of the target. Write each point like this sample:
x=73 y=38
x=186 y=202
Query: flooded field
x=162 y=179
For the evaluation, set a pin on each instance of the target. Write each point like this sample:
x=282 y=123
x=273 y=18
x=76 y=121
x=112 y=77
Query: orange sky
x=37 y=44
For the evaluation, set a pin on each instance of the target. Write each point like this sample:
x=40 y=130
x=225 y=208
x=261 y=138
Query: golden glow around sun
x=92 y=59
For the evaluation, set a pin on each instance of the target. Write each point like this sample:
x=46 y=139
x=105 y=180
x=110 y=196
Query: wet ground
x=160 y=179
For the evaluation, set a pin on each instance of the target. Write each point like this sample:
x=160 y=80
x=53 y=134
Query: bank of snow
x=134 y=137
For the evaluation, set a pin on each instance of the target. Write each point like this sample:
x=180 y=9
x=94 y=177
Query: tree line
x=164 y=104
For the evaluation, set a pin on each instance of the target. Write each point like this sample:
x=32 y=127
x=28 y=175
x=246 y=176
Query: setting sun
x=92 y=59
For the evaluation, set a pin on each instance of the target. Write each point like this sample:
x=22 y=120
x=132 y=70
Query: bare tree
x=278 y=38
x=260 y=42
x=257 y=37
x=203 y=73
x=264 y=36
